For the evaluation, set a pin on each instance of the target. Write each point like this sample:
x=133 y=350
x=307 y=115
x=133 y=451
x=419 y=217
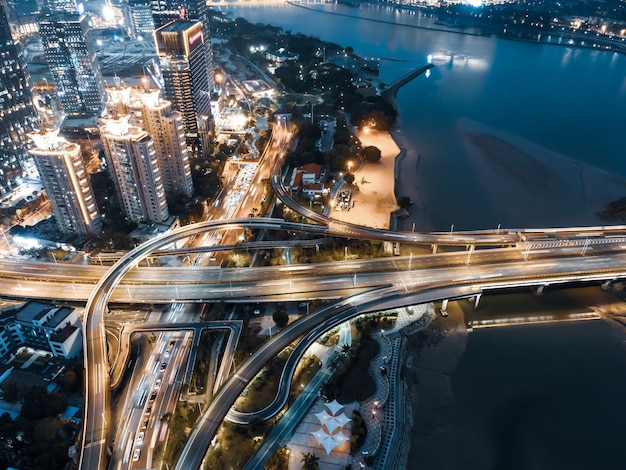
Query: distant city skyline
x=17 y=112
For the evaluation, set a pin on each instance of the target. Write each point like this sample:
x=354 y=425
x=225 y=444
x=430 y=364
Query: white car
x=140 y=437
x=136 y=455
x=157 y=384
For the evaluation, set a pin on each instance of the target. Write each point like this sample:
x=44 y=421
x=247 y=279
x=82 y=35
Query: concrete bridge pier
x=539 y=289
x=477 y=300
x=434 y=247
x=607 y=285
x=444 y=307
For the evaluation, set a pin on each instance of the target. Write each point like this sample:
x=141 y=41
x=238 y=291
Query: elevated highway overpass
x=402 y=282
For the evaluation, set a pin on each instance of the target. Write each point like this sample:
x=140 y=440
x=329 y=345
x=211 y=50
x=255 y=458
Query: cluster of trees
x=334 y=250
x=614 y=211
x=359 y=431
x=532 y=14
x=281 y=317
x=37 y=439
x=376 y=112
x=115 y=224
x=189 y=209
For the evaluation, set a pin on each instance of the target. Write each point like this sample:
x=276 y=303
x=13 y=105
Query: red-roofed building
x=308 y=179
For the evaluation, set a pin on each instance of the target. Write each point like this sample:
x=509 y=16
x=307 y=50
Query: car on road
x=163 y=366
x=145 y=422
x=140 y=437
x=153 y=396
x=136 y=455
x=157 y=384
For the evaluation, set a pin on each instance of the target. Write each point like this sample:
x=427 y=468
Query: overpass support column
x=477 y=300
x=444 y=306
x=607 y=285
x=539 y=290
x=434 y=247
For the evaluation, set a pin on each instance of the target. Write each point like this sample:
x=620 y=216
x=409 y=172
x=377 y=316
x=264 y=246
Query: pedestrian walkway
x=379 y=411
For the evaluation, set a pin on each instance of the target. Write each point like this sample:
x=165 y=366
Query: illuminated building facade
x=17 y=114
x=60 y=6
x=132 y=158
x=66 y=181
x=155 y=116
x=187 y=77
x=73 y=63
x=139 y=13
x=166 y=11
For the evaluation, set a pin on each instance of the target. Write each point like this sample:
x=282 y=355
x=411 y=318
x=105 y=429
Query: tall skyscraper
x=73 y=63
x=131 y=157
x=66 y=181
x=155 y=116
x=60 y=6
x=139 y=17
x=186 y=75
x=17 y=114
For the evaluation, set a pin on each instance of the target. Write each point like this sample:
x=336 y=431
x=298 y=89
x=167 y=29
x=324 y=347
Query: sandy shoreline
x=375 y=200
x=538 y=185
x=525 y=184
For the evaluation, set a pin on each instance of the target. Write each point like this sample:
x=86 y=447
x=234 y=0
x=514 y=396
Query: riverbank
x=407 y=183
x=546 y=37
x=431 y=357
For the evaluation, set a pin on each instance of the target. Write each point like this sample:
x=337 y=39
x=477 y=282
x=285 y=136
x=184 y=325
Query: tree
x=349 y=178
x=371 y=154
x=309 y=461
x=257 y=427
x=280 y=317
x=404 y=202
x=11 y=391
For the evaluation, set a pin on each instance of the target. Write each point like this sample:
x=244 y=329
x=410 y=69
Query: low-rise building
x=309 y=179
x=40 y=326
x=281 y=55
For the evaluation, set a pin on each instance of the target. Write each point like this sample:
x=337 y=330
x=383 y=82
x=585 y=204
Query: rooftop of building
x=60 y=336
x=148 y=230
x=177 y=26
x=34 y=311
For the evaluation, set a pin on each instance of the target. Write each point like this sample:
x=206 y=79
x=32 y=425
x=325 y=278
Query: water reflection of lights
x=495 y=322
x=475 y=64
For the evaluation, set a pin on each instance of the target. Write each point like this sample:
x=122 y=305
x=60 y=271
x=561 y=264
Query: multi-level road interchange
x=493 y=259
x=373 y=285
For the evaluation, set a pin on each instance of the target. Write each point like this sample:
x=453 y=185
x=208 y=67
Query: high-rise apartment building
x=17 y=114
x=73 y=63
x=132 y=158
x=186 y=74
x=155 y=116
x=139 y=17
x=166 y=11
x=60 y=6
x=66 y=181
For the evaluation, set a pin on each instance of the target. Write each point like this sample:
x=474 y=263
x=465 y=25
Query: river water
x=567 y=100
x=541 y=397
x=536 y=397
